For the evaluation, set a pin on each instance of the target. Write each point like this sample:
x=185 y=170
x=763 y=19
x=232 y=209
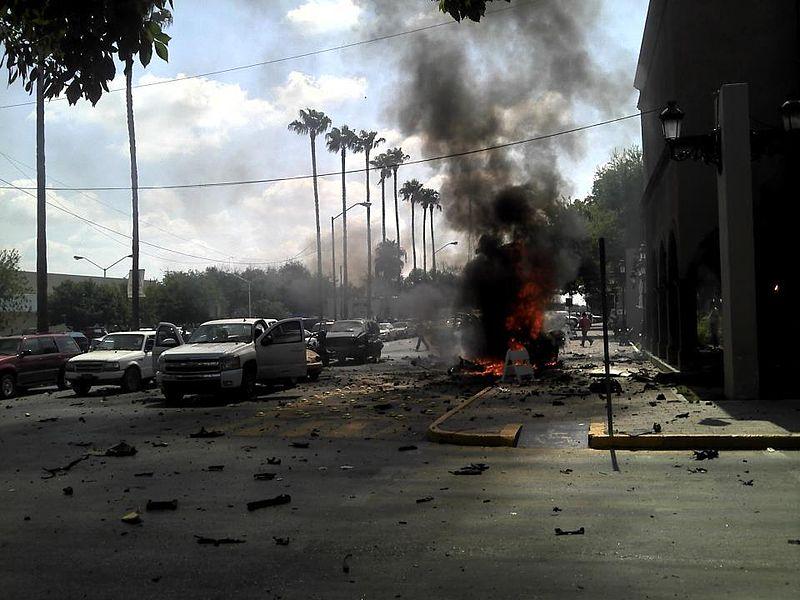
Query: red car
x=34 y=360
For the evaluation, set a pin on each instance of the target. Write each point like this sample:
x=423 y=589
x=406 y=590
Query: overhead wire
x=273 y=61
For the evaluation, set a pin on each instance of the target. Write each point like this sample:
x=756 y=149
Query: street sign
x=141 y=283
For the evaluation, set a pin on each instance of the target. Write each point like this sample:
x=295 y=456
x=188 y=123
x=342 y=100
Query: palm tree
x=340 y=139
x=427 y=196
x=396 y=158
x=381 y=162
x=313 y=123
x=433 y=203
x=411 y=194
x=141 y=40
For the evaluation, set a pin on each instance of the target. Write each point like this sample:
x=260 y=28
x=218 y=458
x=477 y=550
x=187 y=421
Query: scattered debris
x=121 y=449
x=599 y=386
x=425 y=499
x=216 y=467
x=132 y=518
x=61 y=470
x=384 y=406
x=345 y=564
x=67 y=490
x=160 y=444
x=273 y=460
x=706 y=454
x=264 y=476
x=347 y=467
x=749 y=482
x=299 y=444
x=276 y=501
x=145 y=474
x=471 y=469
x=565 y=471
x=656 y=427
x=281 y=541
x=556 y=509
x=682 y=416
x=698 y=470
x=406 y=448
x=161 y=505
x=795 y=542
x=48 y=420
x=661 y=397
x=217 y=541
x=579 y=531
x=205 y=433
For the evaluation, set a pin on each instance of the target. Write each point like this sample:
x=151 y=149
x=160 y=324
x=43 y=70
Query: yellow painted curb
x=600 y=440
x=508 y=436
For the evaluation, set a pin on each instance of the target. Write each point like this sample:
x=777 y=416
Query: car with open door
x=125 y=358
x=358 y=339
x=232 y=355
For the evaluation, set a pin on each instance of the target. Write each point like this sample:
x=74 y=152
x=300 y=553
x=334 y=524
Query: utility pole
x=333 y=266
x=369 y=260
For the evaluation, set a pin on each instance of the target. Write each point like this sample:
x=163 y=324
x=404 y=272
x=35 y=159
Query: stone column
x=737 y=246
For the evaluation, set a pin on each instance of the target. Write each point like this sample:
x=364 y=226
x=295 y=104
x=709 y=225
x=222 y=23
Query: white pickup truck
x=125 y=358
x=232 y=355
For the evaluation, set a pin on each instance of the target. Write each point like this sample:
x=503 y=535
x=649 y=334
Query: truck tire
x=81 y=387
x=131 y=380
x=247 y=391
x=8 y=386
x=173 y=395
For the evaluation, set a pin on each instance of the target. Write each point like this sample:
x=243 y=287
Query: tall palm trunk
x=134 y=195
x=433 y=246
x=383 y=208
x=424 y=242
x=345 y=311
x=320 y=294
x=396 y=209
x=413 y=236
x=42 y=322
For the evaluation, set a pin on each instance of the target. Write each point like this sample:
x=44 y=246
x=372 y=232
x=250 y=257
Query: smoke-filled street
x=375 y=509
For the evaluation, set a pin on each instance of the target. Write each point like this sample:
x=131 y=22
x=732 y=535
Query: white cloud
x=325 y=15
x=302 y=90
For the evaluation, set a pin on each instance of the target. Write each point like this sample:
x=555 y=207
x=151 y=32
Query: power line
x=351 y=171
x=301 y=254
x=294 y=56
x=16 y=164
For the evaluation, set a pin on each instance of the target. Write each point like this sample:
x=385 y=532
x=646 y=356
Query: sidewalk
x=558 y=410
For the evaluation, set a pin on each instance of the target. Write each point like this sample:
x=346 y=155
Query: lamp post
x=445 y=246
x=103 y=269
x=249 y=284
x=367 y=205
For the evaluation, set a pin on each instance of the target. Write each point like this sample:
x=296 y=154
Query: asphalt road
x=354 y=525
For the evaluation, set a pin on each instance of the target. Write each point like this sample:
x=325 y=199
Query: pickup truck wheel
x=8 y=386
x=131 y=380
x=81 y=387
x=313 y=375
x=248 y=389
x=171 y=394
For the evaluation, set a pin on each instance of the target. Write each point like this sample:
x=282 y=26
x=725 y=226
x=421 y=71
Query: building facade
x=690 y=50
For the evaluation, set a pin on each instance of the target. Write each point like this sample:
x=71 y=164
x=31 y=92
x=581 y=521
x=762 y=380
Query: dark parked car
x=354 y=338
x=34 y=360
x=80 y=339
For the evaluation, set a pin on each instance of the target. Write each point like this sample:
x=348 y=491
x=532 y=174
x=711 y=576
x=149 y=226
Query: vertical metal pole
x=369 y=262
x=609 y=410
x=249 y=303
x=333 y=267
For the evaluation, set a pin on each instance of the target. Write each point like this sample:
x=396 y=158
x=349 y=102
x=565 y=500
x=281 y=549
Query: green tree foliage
x=389 y=261
x=86 y=303
x=464 y=9
x=612 y=212
x=12 y=285
x=71 y=45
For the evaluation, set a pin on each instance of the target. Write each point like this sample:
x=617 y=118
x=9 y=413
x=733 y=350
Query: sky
x=233 y=126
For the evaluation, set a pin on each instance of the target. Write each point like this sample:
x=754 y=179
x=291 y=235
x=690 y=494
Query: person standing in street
x=421 y=333
x=585 y=323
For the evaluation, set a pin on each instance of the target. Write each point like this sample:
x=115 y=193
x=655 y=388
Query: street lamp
x=103 y=269
x=367 y=205
x=249 y=284
x=445 y=246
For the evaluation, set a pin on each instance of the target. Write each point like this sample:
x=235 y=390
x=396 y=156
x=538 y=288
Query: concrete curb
x=508 y=436
x=600 y=440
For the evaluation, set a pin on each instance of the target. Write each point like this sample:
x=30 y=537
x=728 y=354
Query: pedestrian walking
x=585 y=323
x=322 y=345
x=421 y=336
